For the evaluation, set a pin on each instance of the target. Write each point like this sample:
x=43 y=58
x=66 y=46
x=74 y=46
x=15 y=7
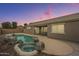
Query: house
x=64 y=27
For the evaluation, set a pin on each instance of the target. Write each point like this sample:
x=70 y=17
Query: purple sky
x=32 y=12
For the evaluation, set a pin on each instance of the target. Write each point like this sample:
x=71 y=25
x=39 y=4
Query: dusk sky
x=26 y=13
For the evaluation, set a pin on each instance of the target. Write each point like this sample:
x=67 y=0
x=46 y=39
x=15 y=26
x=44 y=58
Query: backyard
x=52 y=47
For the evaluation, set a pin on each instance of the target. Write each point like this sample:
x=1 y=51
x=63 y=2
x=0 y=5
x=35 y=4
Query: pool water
x=28 y=48
x=26 y=39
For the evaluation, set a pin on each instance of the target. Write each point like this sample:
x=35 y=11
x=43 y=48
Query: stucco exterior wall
x=71 y=32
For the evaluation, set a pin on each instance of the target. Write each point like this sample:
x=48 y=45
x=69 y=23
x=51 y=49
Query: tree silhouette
x=14 y=24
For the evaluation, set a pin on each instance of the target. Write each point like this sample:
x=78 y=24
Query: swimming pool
x=24 y=38
x=27 y=48
x=29 y=44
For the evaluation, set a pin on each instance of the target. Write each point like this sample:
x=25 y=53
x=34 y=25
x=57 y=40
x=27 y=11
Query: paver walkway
x=56 y=47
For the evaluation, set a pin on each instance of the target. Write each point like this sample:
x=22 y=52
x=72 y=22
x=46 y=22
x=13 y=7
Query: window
x=36 y=30
x=58 y=28
x=45 y=29
x=28 y=27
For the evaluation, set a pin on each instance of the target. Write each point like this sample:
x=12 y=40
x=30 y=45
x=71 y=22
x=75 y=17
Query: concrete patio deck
x=55 y=47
